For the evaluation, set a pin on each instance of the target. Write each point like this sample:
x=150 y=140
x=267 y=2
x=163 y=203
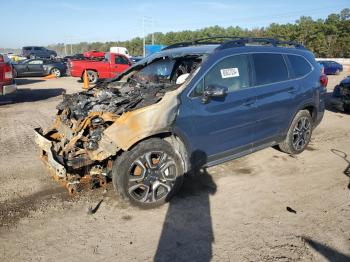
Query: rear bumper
x=8 y=89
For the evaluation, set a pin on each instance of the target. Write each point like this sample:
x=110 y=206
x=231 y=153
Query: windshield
x=158 y=71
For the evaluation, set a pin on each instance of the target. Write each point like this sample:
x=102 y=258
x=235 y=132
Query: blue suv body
x=191 y=105
x=279 y=83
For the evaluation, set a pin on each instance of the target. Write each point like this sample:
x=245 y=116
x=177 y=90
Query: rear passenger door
x=276 y=96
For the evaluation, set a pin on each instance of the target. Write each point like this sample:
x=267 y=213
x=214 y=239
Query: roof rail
x=202 y=41
x=264 y=41
x=234 y=41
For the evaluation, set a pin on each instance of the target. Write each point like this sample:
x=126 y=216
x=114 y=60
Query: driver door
x=35 y=67
x=121 y=63
x=222 y=127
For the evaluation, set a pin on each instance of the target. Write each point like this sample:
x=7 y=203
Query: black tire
x=299 y=134
x=92 y=76
x=346 y=108
x=56 y=72
x=155 y=185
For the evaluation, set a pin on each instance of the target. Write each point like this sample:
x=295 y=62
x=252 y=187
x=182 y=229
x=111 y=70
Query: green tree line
x=328 y=37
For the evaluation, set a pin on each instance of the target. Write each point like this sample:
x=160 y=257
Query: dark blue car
x=192 y=105
x=331 y=67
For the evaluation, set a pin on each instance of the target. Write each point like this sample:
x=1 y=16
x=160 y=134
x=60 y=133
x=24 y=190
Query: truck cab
x=111 y=66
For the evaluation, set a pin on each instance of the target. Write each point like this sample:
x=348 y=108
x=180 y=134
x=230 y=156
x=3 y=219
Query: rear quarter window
x=269 y=68
x=300 y=66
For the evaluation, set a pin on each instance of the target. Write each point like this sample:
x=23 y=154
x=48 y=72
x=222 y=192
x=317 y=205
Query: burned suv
x=193 y=104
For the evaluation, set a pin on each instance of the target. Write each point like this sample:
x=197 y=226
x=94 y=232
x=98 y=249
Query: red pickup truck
x=112 y=65
x=7 y=83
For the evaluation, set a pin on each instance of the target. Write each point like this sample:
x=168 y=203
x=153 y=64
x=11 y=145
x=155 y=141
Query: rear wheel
x=346 y=108
x=299 y=134
x=55 y=71
x=92 y=76
x=149 y=174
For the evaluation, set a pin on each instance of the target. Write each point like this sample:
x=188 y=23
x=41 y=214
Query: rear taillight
x=323 y=80
x=8 y=72
x=1 y=59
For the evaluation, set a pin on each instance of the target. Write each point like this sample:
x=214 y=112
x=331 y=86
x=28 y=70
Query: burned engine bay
x=92 y=126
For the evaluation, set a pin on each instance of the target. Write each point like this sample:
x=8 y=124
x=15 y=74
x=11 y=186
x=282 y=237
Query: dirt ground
x=236 y=211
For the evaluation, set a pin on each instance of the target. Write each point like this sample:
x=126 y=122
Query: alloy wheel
x=152 y=177
x=56 y=72
x=301 y=133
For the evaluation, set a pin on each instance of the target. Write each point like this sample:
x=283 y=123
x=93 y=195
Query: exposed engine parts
x=93 y=125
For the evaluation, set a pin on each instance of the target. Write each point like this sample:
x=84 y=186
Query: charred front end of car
x=92 y=127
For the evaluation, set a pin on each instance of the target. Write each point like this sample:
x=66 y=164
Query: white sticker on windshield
x=229 y=72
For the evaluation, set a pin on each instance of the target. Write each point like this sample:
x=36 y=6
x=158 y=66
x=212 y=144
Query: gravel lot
x=236 y=211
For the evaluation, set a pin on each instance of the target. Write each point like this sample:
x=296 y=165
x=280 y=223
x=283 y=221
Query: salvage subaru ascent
x=192 y=105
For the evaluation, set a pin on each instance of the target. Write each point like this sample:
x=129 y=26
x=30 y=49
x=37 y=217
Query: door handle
x=248 y=102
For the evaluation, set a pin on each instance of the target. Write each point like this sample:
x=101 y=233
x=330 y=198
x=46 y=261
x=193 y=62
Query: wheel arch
x=177 y=142
x=88 y=69
x=310 y=107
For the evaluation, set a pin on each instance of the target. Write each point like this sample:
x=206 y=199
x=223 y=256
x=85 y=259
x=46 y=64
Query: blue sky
x=43 y=22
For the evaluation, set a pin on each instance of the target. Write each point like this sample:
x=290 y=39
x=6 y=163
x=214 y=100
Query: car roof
x=183 y=51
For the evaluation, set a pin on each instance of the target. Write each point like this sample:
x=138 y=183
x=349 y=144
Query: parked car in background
x=189 y=106
x=331 y=67
x=112 y=65
x=39 y=67
x=37 y=52
x=94 y=54
x=341 y=95
x=74 y=57
x=7 y=82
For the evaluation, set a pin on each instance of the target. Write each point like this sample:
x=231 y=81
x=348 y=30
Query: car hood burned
x=92 y=126
x=112 y=99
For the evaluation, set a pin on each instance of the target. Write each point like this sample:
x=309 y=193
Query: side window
x=300 y=66
x=121 y=60
x=35 y=62
x=232 y=72
x=269 y=68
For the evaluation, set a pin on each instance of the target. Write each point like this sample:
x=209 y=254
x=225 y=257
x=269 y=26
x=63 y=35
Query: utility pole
x=144 y=37
x=152 y=31
x=148 y=20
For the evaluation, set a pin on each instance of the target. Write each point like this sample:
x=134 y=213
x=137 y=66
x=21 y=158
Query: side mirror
x=213 y=91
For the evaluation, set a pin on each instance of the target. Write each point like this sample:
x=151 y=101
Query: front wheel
x=149 y=174
x=299 y=134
